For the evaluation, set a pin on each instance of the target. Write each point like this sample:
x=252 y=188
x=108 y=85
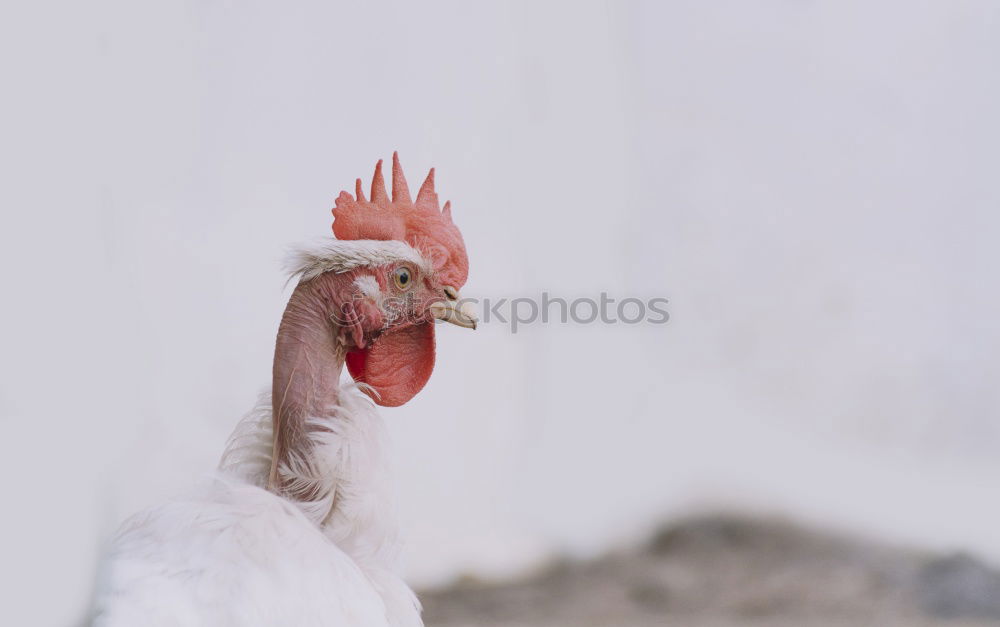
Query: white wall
x=812 y=184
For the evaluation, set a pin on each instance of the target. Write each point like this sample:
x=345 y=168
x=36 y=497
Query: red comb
x=421 y=223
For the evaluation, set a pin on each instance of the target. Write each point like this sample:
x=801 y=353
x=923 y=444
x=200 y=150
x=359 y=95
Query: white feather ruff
x=308 y=261
x=236 y=554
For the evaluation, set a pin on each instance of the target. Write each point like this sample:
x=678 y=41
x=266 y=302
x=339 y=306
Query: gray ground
x=728 y=572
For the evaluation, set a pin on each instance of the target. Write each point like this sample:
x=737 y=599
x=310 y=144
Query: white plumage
x=234 y=553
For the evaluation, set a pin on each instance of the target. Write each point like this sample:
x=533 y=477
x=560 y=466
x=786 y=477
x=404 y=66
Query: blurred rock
x=958 y=586
x=723 y=571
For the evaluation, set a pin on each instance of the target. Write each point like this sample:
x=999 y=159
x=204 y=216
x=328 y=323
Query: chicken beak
x=455 y=311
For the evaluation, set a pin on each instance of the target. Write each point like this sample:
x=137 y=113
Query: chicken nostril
x=450 y=292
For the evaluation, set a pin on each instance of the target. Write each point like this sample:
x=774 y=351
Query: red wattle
x=397 y=365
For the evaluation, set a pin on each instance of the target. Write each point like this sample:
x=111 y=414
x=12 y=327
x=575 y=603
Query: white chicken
x=297 y=527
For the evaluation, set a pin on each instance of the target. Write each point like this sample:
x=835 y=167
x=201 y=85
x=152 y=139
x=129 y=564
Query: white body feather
x=237 y=554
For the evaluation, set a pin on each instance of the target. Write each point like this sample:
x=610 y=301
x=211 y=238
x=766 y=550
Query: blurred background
x=813 y=185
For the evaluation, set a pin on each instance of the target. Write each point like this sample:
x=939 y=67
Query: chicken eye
x=403 y=277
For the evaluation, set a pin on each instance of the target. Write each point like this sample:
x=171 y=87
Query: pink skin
x=326 y=318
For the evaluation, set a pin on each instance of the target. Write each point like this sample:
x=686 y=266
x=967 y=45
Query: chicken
x=296 y=526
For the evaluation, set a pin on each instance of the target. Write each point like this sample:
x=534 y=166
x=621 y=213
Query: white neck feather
x=347 y=472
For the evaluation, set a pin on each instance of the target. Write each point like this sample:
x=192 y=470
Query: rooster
x=296 y=526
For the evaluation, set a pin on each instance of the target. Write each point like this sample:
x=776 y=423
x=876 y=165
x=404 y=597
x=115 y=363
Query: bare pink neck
x=308 y=360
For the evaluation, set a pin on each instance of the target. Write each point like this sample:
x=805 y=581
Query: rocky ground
x=728 y=572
